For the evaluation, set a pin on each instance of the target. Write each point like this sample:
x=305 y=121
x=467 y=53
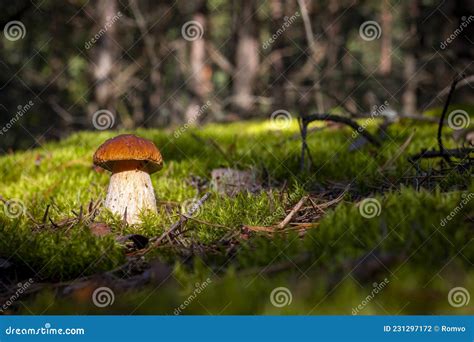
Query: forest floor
x=367 y=232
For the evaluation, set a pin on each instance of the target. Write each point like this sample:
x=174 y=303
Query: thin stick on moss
x=182 y=220
x=292 y=213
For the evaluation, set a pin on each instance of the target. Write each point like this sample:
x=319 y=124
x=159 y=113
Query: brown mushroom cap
x=128 y=150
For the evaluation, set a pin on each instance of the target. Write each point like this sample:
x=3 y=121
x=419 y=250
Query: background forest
x=155 y=63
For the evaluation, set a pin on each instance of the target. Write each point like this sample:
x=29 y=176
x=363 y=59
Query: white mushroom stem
x=129 y=194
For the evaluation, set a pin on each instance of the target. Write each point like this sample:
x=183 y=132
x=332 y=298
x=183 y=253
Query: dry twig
x=292 y=213
x=182 y=220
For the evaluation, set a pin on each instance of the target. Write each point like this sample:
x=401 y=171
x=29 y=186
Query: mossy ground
x=330 y=270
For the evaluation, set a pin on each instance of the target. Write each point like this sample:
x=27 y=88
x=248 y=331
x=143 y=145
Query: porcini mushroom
x=131 y=160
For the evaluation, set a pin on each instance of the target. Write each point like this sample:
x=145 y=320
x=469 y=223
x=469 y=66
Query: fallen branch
x=343 y=120
x=299 y=207
x=182 y=220
x=462 y=83
x=306 y=120
x=292 y=213
x=443 y=116
x=278 y=229
x=456 y=153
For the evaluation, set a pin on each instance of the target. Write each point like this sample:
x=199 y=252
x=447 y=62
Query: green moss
x=60 y=175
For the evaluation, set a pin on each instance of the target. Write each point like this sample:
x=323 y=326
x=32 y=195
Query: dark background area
x=253 y=57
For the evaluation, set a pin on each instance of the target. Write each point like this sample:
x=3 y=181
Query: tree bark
x=105 y=55
x=201 y=71
x=409 y=94
x=385 y=64
x=409 y=97
x=246 y=58
x=149 y=40
x=278 y=64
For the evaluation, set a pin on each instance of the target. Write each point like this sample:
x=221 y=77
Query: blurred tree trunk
x=385 y=64
x=154 y=80
x=105 y=55
x=246 y=58
x=201 y=71
x=409 y=97
x=334 y=33
x=318 y=49
x=277 y=64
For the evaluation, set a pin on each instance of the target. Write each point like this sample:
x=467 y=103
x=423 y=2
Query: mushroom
x=131 y=160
